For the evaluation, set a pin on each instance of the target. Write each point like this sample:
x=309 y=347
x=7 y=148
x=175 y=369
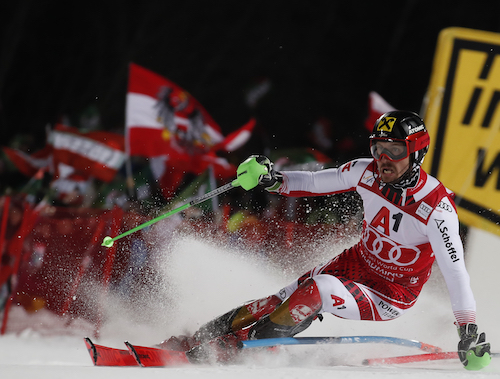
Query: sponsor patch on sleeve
x=424 y=210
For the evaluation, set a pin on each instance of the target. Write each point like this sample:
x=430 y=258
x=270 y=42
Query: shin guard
x=237 y=319
x=291 y=317
x=254 y=311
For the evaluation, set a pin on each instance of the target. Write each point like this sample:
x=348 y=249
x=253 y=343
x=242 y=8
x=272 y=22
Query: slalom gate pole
x=416 y=358
x=5 y=218
x=411 y=358
x=268 y=342
x=29 y=218
x=108 y=241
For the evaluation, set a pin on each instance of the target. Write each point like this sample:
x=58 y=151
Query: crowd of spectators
x=248 y=219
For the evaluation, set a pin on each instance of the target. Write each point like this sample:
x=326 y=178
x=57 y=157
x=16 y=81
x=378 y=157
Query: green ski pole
x=248 y=177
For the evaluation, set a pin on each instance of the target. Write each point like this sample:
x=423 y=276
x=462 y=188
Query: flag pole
x=213 y=185
x=128 y=163
x=130 y=178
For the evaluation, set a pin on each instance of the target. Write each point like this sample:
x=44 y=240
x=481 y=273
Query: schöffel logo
x=386 y=124
x=447 y=240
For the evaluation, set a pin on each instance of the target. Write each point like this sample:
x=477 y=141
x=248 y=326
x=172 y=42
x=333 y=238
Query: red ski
x=154 y=357
x=108 y=356
x=134 y=355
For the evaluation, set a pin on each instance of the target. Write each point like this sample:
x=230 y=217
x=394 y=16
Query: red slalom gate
x=29 y=218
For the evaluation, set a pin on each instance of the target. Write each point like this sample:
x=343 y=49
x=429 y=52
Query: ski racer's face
x=391 y=170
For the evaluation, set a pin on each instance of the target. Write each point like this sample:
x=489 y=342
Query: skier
x=410 y=220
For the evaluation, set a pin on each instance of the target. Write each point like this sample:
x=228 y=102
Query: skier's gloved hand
x=273 y=179
x=473 y=350
x=257 y=170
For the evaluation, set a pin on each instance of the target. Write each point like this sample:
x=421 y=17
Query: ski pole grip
x=249 y=173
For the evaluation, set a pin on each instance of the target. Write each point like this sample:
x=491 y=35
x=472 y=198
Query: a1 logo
x=337 y=301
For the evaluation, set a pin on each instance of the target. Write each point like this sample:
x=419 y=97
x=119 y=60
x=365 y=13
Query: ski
x=145 y=356
x=267 y=342
x=109 y=356
x=154 y=357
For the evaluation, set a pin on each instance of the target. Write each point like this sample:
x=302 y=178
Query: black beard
x=409 y=179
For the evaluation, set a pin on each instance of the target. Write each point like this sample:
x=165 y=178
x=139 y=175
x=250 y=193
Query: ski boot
x=178 y=343
x=221 y=349
x=227 y=324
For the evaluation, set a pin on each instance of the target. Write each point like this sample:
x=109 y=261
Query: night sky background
x=62 y=59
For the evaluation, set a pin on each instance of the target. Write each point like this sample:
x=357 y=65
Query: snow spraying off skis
x=198 y=279
x=202 y=279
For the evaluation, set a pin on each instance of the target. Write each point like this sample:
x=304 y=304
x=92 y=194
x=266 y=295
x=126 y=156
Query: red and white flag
x=377 y=106
x=30 y=164
x=237 y=138
x=162 y=116
x=95 y=154
x=69 y=184
x=169 y=126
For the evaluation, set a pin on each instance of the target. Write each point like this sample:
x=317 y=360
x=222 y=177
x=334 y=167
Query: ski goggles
x=393 y=149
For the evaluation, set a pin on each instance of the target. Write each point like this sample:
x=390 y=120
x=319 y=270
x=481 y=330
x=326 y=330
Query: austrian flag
x=30 y=165
x=164 y=119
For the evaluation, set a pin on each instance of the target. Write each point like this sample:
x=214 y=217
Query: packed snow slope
x=203 y=279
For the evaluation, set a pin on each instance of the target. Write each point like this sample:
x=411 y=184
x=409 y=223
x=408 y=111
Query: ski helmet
x=401 y=126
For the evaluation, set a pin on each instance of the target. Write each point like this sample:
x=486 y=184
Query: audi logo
x=387 y=250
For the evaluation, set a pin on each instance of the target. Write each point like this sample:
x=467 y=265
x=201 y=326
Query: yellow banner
x=462 y=114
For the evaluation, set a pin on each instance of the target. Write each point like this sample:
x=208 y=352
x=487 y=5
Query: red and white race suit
x=404 y=231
